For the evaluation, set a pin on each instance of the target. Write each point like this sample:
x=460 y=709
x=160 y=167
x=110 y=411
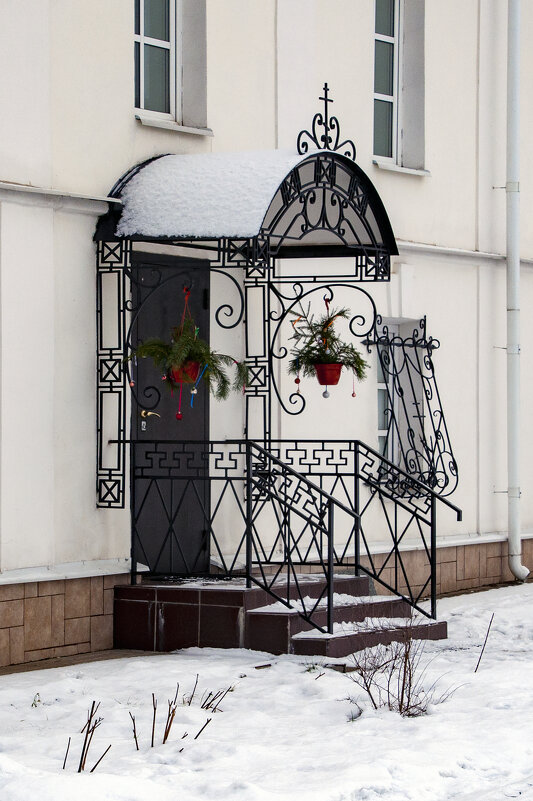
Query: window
x=399 y=82
x=387 y=432
x=155 y=55
x=170 y=64
x=386 y=63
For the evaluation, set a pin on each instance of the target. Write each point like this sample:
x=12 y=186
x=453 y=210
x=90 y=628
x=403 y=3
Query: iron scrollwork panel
x=417 y=436
x=286 y=301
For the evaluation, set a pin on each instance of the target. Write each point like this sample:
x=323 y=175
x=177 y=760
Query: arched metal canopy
x=318 y=203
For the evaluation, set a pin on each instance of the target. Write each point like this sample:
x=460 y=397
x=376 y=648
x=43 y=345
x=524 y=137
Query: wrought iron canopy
x=311 y=204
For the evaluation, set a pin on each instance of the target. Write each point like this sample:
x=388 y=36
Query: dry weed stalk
x=485 y=643
x=134 y=731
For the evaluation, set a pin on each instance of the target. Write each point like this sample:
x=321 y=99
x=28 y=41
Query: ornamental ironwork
x=326 y=206
x=325 y=132
x=302 y=502
x=417 y=437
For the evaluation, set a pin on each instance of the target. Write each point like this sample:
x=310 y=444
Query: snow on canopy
x=205 y=195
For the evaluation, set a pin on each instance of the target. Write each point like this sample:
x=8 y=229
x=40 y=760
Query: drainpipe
x=512 y=189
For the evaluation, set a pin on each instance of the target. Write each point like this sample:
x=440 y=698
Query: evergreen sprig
x=317 y=342
x=186 y=346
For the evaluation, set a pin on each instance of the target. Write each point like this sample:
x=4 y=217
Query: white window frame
x=174 y=48
x=383 y=387
x=394 y=99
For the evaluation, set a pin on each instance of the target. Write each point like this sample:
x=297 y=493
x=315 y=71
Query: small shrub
x=392 y=676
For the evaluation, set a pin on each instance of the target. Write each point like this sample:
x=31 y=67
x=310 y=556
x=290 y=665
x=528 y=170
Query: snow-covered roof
x=206 y=195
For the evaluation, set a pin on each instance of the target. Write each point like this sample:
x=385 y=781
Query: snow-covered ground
x=285 y=730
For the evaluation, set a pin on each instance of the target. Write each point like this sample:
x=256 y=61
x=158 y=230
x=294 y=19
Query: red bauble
x=179 y=416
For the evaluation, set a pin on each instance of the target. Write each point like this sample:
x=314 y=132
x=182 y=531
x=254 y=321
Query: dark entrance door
x=170 y=487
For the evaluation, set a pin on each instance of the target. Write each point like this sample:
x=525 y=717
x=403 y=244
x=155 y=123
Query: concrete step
x=347 y=640
x=220 y=614
x=271 y=628
x=314 y=585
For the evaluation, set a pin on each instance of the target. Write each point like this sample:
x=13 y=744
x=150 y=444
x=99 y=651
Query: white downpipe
x=512 y=189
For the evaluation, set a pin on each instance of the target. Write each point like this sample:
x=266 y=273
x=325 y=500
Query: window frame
x=394 y=99
x=387 y=437
x=173 y=45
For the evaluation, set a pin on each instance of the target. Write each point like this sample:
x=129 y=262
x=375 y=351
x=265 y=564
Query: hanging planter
x=319 y=351
x=188 y=373
x=187 y=359
x=328 y=374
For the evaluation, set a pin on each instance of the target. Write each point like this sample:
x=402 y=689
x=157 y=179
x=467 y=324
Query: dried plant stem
x=89 y=716
x=484 y=644
x=103 y=755
x=215 y=708
x=134 y=731
x=194 y=689
x=203 y=727
x=91 y=734
x=86 y=729
x=154 y=704
x=170 y=720
x=89 y=729
x=66 y=754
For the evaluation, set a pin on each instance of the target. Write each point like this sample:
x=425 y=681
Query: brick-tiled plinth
x=44 y=619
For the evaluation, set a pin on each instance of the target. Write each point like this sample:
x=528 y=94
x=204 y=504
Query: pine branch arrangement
x=317 y=342
x=186 y=346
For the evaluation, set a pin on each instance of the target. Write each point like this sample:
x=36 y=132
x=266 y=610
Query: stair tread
x=369 y=624
x=339 y=600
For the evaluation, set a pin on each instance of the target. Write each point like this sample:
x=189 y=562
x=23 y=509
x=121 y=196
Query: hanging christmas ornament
x=178 y=413
x=132 y=383
x=194 y=390
x=325 y=394
x=353 y=387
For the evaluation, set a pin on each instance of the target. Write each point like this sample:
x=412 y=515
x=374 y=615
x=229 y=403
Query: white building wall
x=68 y=125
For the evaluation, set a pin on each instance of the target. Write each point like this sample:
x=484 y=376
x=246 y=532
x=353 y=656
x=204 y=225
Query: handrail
x=424 y=487
x=301 y=477
x=357 y=442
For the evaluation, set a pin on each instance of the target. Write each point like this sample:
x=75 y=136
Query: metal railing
x=266 y=515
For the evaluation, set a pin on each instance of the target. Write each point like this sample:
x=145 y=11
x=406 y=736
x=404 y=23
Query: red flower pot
x=188 y=373
x=328 y=374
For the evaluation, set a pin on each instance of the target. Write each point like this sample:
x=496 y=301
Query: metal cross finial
x=325 y=138
x=328 y=139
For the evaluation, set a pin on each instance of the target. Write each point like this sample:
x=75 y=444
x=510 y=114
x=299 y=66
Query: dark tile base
x=166 y=618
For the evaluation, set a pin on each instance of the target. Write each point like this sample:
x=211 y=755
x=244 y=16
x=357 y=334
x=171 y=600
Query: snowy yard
x=285 y=730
